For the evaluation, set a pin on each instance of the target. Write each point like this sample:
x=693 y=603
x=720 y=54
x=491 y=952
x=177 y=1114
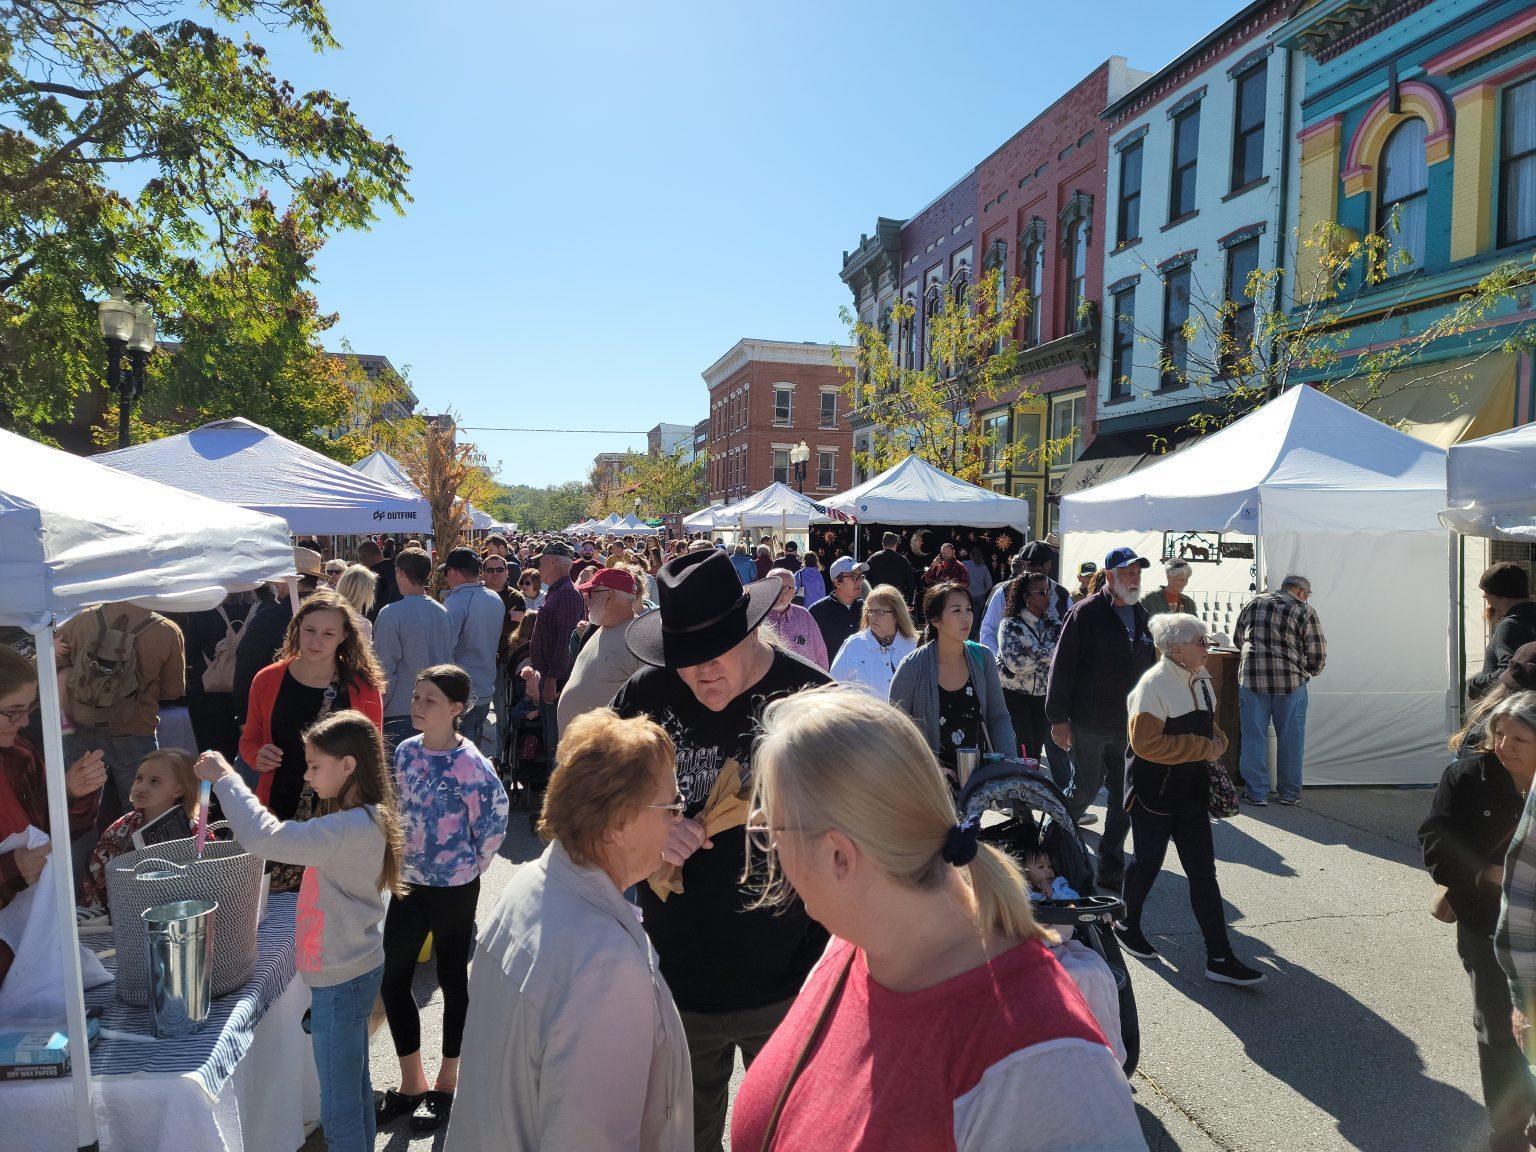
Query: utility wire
x=582 y=431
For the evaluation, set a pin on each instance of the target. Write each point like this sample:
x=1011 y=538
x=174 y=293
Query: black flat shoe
x=395 y=1105
x=438 y=1106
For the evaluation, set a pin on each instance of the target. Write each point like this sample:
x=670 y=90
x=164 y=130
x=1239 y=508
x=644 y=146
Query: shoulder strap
x=805 y=1049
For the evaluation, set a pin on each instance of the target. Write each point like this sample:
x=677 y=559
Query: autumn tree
x=449 y=473
x=149 y=146
x=666 y=482
x=926 y=405
x=1236 y=352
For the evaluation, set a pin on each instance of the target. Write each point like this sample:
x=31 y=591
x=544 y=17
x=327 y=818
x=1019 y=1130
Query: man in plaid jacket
x=1282 y=648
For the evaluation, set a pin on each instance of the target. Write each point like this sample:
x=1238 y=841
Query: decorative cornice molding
x=750 y=351
x=1251 y=61
x=1186 y=102
x=1130 y=138
x=1247 y=232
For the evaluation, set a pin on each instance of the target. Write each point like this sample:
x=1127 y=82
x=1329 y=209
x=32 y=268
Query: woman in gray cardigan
x=950 y=686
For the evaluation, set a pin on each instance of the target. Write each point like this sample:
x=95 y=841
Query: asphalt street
x=1360 y=1039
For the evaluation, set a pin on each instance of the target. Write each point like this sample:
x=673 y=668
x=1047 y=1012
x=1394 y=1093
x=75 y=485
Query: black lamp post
x=800 y=456
x=125 y=327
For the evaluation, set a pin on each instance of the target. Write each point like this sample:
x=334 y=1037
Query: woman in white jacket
x=868 y=659
x=573 y=1042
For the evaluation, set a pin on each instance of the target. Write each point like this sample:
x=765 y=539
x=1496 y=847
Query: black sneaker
x=1134 y=940
x=1087 y=820
x=1231 y=970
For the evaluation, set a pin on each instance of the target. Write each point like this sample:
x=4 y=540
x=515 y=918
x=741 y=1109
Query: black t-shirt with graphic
x=717 y=954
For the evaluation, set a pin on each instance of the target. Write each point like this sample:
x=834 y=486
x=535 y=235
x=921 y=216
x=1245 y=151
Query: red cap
x=613 y=578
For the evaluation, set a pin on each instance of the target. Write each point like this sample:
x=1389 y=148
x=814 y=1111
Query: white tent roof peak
x=1492 y=486
x=915 y=492
x=243 y=463
x=774 y=506
x=381 y=466
x=1302 y=462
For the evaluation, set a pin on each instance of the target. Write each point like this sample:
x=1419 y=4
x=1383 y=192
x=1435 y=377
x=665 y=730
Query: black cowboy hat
x=704 y=611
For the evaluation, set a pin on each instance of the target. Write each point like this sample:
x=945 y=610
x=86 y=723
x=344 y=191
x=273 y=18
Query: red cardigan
x=258 y=716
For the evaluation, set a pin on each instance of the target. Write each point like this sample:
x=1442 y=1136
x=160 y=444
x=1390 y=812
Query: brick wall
x=743 y=435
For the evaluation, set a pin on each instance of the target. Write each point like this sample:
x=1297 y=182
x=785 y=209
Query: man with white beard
x=1104 y=649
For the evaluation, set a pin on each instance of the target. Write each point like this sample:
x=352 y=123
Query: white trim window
x=826 y=468
x=781 y=466
x=829 y=408
x=783 y=405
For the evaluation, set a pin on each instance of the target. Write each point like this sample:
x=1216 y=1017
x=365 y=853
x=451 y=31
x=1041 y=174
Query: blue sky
x=608 y=196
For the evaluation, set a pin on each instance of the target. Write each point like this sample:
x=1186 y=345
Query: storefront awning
x=1116 y=454
x=1442 y=404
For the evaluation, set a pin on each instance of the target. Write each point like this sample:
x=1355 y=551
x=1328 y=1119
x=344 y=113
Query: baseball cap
x=462 y=560
x=1037 y=552
x=615 y=579
x=555 y=548
x=843 y=565
x=1087 y=568
x=1125 y=558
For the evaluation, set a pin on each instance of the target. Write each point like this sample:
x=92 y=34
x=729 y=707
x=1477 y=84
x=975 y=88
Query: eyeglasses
x=493 y=571
x=873 y=612
x=18 y=715
x=764 y=837
x=529 y=581
x=677 y=807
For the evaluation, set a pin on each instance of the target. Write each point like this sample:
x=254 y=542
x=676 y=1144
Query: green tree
x=664 y=483
x=1283 y=328
x=547 y=509
x=970 y=363
x=144 y=149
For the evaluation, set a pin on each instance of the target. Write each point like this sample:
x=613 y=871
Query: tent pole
x=1458 y=662
x=64 y=887
x=855 y=541
x=293 y=592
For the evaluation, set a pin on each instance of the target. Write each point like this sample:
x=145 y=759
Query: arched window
x=1077 y=280
x=1404 y=191
x=1034 y=277
x=959 y=283
x=909 y=335
x=933 y=307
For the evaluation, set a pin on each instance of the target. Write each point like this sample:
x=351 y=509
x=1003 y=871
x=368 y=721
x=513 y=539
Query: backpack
x=219 y=675
x=104 y=678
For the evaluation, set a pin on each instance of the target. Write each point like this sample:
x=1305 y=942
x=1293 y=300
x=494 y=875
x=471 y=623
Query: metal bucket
x=179 y=937
x=966 y=760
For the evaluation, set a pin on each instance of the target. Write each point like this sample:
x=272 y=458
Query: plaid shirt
x=1515 y=938
x=563 y=609
x=1282 y=643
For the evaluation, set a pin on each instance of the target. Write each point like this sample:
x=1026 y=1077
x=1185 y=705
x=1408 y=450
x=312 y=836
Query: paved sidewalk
x=1361 y=1038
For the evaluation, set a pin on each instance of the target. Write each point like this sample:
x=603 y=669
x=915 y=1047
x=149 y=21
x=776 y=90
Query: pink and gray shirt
x=453 y=808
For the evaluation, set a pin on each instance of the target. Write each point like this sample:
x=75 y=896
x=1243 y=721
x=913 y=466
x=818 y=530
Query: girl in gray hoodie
x=351 y=853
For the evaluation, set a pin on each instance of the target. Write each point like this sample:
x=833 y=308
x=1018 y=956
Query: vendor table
x=245 y=1083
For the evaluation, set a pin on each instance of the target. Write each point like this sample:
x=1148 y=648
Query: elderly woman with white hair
x=1170 y=597
x=1174 y=737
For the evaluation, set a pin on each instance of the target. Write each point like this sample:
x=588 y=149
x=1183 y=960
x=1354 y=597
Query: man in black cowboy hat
x=733 y=970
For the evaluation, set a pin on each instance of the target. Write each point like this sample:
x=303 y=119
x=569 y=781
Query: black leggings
x=1191 y=835
x=449 y=914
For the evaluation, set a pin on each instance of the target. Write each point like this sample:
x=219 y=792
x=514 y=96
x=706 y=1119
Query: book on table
x=38 y=1053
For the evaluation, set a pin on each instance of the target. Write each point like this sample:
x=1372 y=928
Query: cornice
x=751 y=351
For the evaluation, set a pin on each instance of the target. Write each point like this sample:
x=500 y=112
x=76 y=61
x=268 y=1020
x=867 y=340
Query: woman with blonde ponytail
x=937 y=1019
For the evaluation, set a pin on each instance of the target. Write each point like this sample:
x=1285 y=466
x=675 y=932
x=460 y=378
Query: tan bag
x=104 y=675
x=219 y=676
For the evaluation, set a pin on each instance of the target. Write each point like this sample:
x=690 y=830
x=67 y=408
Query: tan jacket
x=160 y=656
x=574 y=1044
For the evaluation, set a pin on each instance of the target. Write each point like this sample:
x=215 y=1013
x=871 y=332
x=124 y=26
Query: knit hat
x=1506 y=580
x=1520 y=673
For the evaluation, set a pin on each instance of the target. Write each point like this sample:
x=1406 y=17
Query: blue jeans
x=123 y=754
x=472 y=723
x=1288 y=712
x=338 y=1025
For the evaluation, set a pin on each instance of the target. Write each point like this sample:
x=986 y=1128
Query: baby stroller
x=1018 y=789
x=522 y=759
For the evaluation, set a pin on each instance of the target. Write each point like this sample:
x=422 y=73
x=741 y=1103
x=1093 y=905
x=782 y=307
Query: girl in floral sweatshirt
x=454 y=809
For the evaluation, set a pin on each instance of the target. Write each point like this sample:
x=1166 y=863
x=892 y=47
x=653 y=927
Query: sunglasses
x=677 y=807
x=494 y=569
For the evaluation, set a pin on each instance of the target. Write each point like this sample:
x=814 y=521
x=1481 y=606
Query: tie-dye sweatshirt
x=454 y=812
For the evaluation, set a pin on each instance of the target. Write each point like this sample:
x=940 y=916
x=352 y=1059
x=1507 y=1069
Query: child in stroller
x=1058 y=867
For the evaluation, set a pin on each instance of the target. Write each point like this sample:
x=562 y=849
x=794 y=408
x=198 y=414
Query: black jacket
x=837 y=621
x=886 y=567
x=386 y=591
x=1096 y=665
x=1471 y=821
x=1518 y=627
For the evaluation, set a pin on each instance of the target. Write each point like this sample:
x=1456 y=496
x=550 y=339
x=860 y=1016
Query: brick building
x=766 y=397
x=1040 y=211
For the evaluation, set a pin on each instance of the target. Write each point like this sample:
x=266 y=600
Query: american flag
x=833 y=514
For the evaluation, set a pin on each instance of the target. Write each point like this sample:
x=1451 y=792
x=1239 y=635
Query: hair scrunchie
x=960 y=844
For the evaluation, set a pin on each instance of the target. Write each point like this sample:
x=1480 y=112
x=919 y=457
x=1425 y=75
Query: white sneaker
x=92 y=921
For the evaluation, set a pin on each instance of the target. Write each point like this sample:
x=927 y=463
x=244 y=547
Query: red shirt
x=1002 y=1056
x=24 y=801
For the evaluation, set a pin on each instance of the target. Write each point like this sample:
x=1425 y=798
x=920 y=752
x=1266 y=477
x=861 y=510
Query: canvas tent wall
x=1491 y=486
x=74 y=534
x=253 y=467
x=1328 y=493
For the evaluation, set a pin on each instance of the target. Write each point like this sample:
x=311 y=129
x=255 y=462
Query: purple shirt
x=453 y=811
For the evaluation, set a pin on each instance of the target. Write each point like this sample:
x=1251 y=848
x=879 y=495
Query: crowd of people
x=754 y=843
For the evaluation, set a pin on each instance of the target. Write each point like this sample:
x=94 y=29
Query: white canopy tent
x=915 y=492
x=1331 y=494
x=381 y=466
x=1491 y=486
x=480 y=521
x=776 y=506
x=253 y=467
x=632 y=525
x=74 y=534
x=705 y=519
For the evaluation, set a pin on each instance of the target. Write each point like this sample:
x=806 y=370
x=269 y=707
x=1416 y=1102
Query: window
x=995 y=442
x=1067 y=414
x=829 y=409
x=1124 y=339
x=960 y=282
x=1028 y=426
x=1175 y=316
x=1404 y=194
x=1186 y=155
x=1078 y=279
x=1242 y=263
x=1517 y=165
x=1128 y=227
x=826 y=469
x=783 y=405
x=781 y=465
x=1248 y=127
x=909 y=336
x=933 y=306
x=1034 y=276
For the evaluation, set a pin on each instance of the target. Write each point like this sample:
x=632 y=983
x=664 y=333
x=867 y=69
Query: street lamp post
x=800 y=456
x=125 y=327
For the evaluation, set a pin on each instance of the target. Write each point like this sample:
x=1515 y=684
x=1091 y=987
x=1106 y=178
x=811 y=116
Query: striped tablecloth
x=212 y=1054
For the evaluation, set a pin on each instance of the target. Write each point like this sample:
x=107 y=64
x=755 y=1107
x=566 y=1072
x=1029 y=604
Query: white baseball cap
x=846 y=564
